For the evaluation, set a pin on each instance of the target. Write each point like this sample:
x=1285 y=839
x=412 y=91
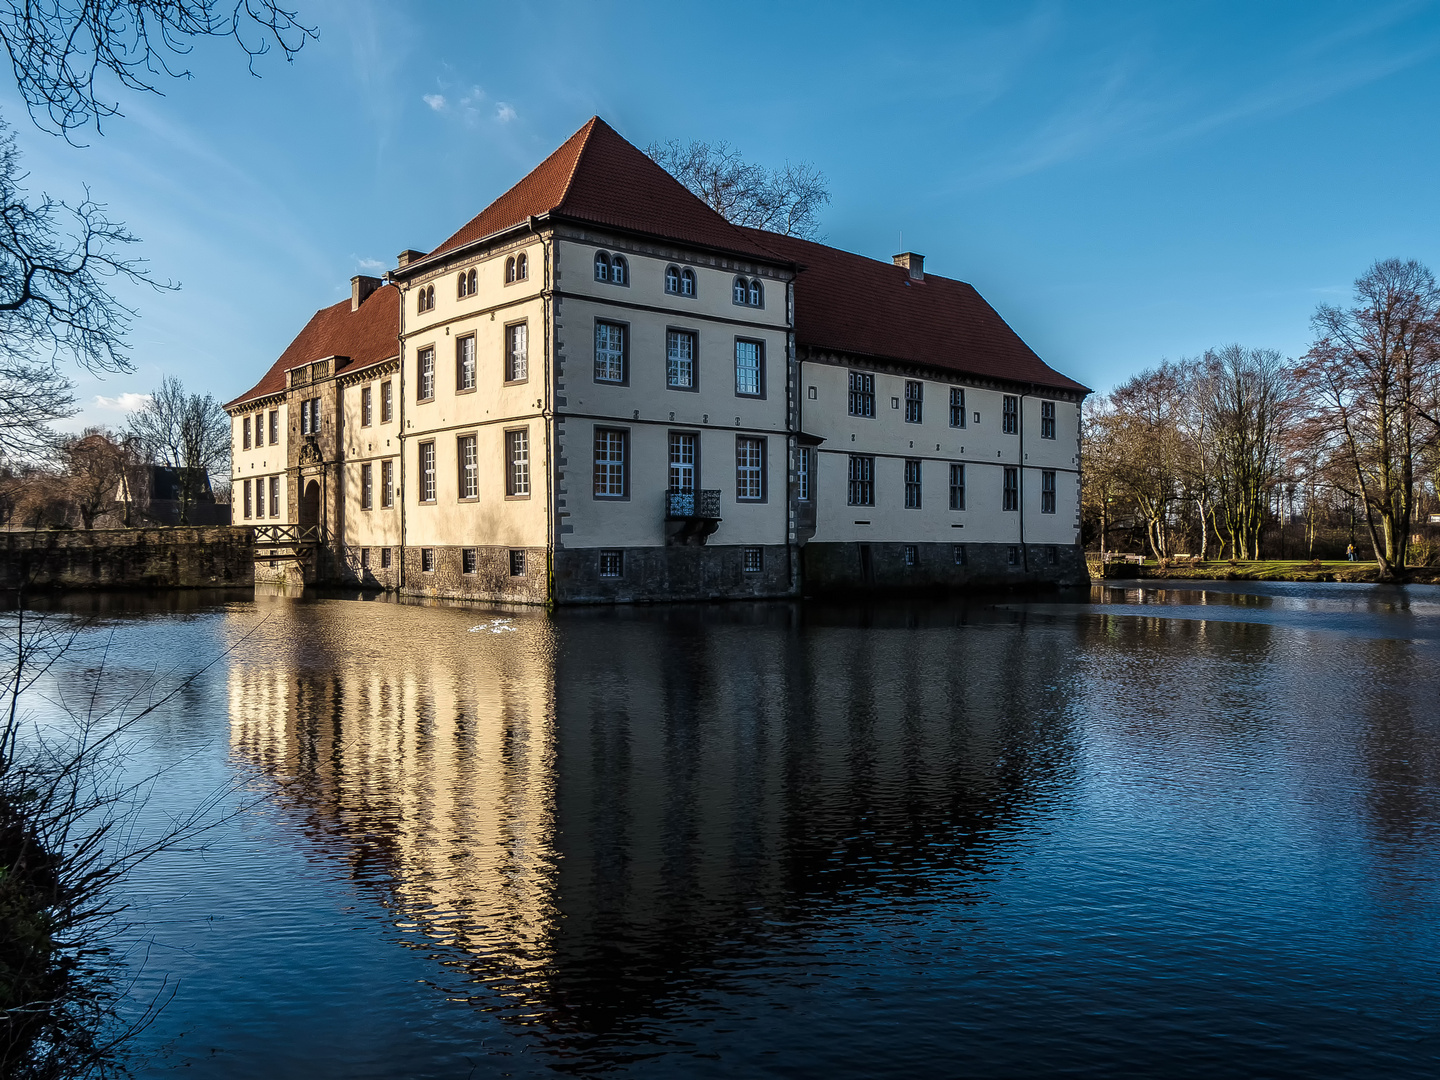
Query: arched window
x=742 y=291
x=687 y=282
x=672 y=279
x=472 y=280
x=619 y=270
x=754 y=292
x=602 y=266
x=522 y=267
x=509 y=270
x=420 y=302
x=430 y=298
x=460 y=285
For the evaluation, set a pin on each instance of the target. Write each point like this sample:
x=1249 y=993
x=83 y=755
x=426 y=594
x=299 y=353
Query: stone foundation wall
x=835 y=569
x=673 y=573
x=160 y=558
x=363 y=567
x=492 y=579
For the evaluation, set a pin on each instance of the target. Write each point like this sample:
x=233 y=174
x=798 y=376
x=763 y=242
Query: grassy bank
x=1267 y=570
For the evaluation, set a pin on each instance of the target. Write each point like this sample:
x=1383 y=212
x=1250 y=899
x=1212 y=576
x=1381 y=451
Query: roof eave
x=435 y=258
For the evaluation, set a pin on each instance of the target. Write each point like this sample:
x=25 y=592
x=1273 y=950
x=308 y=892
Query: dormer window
x=602 y=266
x=466 y=284
x=425 y=301
x=748 y=292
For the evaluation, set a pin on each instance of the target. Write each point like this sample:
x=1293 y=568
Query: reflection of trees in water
x=600 y=829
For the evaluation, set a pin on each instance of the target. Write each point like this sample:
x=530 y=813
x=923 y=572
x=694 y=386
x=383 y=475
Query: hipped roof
x=359 y=338
x=596 y=176
x=848 y=303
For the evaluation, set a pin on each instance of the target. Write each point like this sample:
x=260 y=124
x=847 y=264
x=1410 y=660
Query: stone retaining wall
x=160 y=558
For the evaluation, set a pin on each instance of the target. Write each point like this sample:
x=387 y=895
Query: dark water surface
x=1168 y=829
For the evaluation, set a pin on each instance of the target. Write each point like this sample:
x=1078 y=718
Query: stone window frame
x=864 y=493
x=624 y=493
x=865 y=393
x=1047 y=419
x=694 y=336
x=512 y=481
x=424 y=373
x=957 y=406
x=914 y=401
x=467 y=472
x=752 y=559
x=761 y=470
x=367 y=486
x=1047 y=491
x=1009 y=414
x=426 y=473
x=245 y=428
x=367 y=407
x=469 y=561
x=616 y=556
x=507 y=344
x=460 y=342
x=387 y=402
x=427 y=560
x=957 y=486
x=759 y=343
x=624 y=328
x=517 y=562
x=913 y=492
x=387 y=484
x=1010 y=497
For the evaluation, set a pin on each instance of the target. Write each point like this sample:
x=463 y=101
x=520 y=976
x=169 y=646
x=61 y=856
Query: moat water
x=1164 y=829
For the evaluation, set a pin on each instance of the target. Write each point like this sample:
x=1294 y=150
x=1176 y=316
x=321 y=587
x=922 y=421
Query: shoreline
x=1338 y=570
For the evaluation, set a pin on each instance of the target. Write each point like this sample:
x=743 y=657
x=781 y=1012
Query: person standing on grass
x=1350 y=552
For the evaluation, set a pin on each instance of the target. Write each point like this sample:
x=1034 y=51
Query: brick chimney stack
x=361 y=287
x=913 y=263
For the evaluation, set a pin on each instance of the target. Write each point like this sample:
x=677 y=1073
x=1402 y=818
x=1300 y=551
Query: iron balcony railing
x=703 y=504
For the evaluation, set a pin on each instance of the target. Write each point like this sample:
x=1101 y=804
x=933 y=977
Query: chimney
x=361 y=287
x=406 y=257
x=913 y=263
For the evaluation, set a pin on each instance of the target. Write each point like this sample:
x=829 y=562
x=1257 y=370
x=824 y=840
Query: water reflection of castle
x=595 y=808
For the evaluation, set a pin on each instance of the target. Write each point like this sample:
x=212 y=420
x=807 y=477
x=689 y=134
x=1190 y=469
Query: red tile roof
x=848 y=303
x=596 y=176
x=363 y=337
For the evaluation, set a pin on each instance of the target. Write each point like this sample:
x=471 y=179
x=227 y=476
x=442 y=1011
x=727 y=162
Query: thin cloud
x=504 y=112
x=125 y=403
x=370 y=264
x=435 y=101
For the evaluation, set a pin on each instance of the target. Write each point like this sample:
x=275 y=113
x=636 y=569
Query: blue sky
x=1124 y=182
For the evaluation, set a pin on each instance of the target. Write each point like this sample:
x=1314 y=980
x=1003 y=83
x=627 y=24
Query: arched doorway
x=310 y=505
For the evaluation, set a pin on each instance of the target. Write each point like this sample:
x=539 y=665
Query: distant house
x=153 y=496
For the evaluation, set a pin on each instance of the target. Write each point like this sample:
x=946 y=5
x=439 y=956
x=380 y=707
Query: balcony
x=684 y=505
x=691 y=516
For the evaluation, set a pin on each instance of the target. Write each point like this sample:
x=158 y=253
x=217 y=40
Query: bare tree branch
x=786 y=200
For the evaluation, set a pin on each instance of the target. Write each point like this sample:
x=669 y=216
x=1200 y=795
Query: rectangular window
x=367 y=490
x=245 y=426
x=862 y=480
x=427 y=560
x=517 y=463
x=1012 y=555
x=274 y=426
x=862 y=394
x=274 y=496
x=610 y=463
x=364 y=558
x=682 y=461
x=612 y=563
x=1047 y=420
x=679 y=360
x=749 y=368
x=387 y=407
x=1010 y=415
x=517 y=564
x=1012 y=488
x=957 y=487
x=465 y=363
x=465 y=455
x=387 y=484
x=366 y=411
x=425 y=384
x=753 y=559
x=1047 y=491
x=912 y=484
x=517 y=352
x=914 y=401
x=609 y=352
x=957 y=406
x=749 y=468
x=260 y=497
x=959 y=554
x=469 y=560
x=912 y=555
x=807 y=468
x=248 y=504
x=310 y=416
x=427 y=472
x=384 y=558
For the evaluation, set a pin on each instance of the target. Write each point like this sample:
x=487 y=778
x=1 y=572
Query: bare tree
x=96 y=465
x=1150 y=447
x=60 y=48
x=785 y=200
x=188 y=433
x=1370 y=377
x=1245 y=398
